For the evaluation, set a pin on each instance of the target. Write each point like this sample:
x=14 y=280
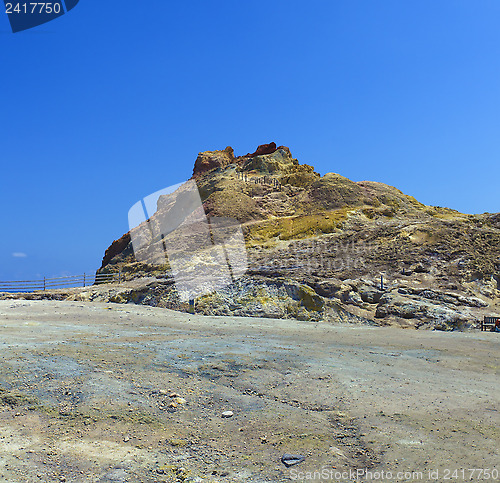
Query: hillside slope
x=317 y=247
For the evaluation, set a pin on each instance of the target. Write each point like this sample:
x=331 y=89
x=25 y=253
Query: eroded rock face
x=263 y=149
x=278 y=162
x=209 y=160
x=117 y=248
x=318 y=245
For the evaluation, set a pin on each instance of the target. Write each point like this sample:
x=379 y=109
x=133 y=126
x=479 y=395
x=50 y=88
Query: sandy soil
x=90 y=393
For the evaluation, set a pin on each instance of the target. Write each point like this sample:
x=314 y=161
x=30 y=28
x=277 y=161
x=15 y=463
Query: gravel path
x=123 y=393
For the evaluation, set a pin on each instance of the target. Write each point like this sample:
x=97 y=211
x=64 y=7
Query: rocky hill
x=327 y=248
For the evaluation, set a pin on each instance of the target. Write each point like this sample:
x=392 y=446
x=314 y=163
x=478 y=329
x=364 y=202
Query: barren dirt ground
x=87 y=394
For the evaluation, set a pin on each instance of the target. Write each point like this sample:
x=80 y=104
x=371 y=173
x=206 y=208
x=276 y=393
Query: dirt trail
x=109 y=393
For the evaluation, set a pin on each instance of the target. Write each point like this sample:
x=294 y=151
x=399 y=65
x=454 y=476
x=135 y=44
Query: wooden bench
x=489 y=323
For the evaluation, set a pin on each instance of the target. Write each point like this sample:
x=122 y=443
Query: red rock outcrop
x=262 y=149
x=117 y=247
x=209 y=160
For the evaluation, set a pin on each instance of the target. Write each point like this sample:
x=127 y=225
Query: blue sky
x=114 y=100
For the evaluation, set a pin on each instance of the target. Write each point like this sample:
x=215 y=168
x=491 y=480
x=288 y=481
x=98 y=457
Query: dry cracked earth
x=95 y=392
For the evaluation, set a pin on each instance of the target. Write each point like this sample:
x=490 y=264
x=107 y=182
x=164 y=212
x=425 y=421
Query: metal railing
x=60 y=282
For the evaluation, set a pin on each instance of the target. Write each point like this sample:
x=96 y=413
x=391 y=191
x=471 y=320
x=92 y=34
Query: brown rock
x=210 y=160
x=115 y=248
x=262 y=149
